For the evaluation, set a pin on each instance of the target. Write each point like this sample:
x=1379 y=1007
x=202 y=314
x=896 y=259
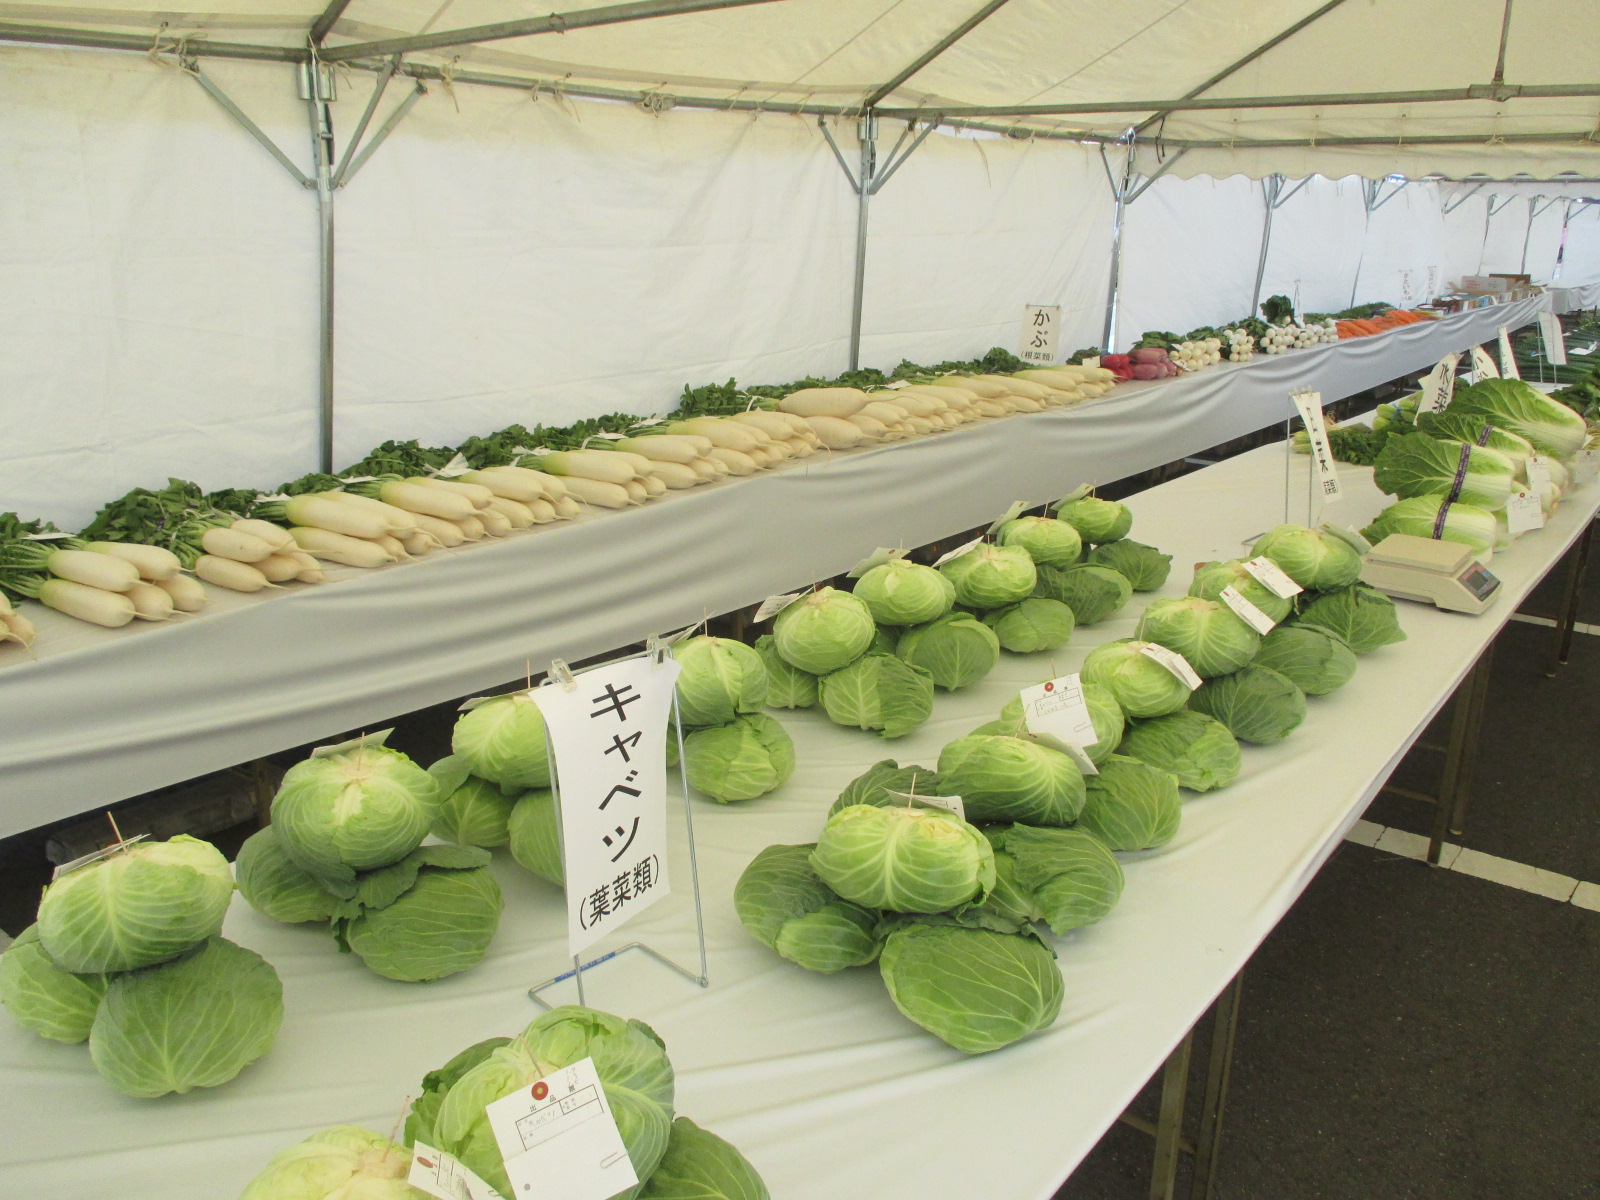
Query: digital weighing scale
x=1433 y=572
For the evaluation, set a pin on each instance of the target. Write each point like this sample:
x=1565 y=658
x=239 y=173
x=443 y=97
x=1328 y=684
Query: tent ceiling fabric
x=1028 y=53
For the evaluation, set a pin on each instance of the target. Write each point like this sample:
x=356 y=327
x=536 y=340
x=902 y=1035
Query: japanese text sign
x=1041 y=329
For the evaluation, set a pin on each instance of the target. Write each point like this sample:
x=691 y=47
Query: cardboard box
x=1512 y=282
x=1479 y=285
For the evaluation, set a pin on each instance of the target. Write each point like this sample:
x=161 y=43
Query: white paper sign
x=876 y=559
x=1010 y=514
x=1438 y=385
x=1538 y=475
x=958 y=552
x=1057 y=709
x=1586 y=466
x=773 y=605
x=1555 y=345
x=442 y=1175
x=1091 y=360
x=355 y=743
x=1309 y=406
x=1272 y=577
x=952 y=804
x=1041 y=330
x=1523 y=513
x=560 y=1139
x=608 y=736
x=1247 y=612
x=1508 y=358
x=1172 y=661
x=1482 y=365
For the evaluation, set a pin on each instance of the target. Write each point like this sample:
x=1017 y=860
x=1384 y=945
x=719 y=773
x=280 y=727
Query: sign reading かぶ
x=1041 y=331
x=608 y=735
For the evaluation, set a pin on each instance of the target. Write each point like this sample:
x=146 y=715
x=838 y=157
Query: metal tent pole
x=1119 y=189
x=868 y=131
x=1270 y=187
x=315 y=83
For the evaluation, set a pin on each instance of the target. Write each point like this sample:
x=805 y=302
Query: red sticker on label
x=541 y=1090
x=1050 y=687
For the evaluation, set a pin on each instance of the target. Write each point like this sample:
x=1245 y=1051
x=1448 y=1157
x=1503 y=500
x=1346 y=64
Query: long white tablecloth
x=98 y=715
x=817 y=1078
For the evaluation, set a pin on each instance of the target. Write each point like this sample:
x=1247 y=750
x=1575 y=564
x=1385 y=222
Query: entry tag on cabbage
x=1309 y=406
x=958 y=551
x=1041 y=330
x=1508 y=358
x=560 y=1140
x=1538 y=475
x=1523 y=513
x=1348 y=536
x=95 y=856
x=773 y=605
x=1555 y=345
x=1586 y=466
x=1247 y=612
x=1057 y=710
x=1010 y=514
x=876 y=559
x=952 y=804
x=1172 y=661
x=355 y=743
x=1272 y=577
x=445 y=1176
x=1482 y=365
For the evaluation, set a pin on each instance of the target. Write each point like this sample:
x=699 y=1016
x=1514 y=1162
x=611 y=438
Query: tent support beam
x=943 y=44
x=1271 y=188
x=49 y=35
x=313 y=80
x=233 y=110
x=1120 y=190
x=323 y=25
x=1571 y=137
x=610 y=14
x=1451 y=206
x=1166 y=166
x=1374 y=188
x=1505 y=34
x=345 y=175
x=1288 y=33
x=366 y=117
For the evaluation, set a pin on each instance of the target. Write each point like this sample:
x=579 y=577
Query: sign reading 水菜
x=1309 y=406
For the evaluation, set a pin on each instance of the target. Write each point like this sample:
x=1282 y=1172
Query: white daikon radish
x=950 y=418
x=353 y=516
x=188 y=594
x=428 y=501
x=835 y=432
x=311 y=575
x=801 y=447
x=676 y=475
x=596 y=491
x=1066 y=396
x=779 y=449
x=505 y=485
x=586 y=464
x=950 y=395
x=392 y=546
x=883 y=410
x=567 y=507
x=1016 y=387
x=983 y=388
x=737 y=463
x=495 y=524
x=230 y=543
x=663 y=448
x=653 y=486
x=774 y=425
x=93 y=570
x=418 y=543
x=723 y=434
x=514 y=511
x=475 y=494
x=923 y=424
x=152 y=562
x=1023 y=404
x=823 y=402
x=763 y=456
x=92 y=604
x=471 y=528
x=992 y=408
x=275 y=536
x=234 y=575
x=14 y=627
x=704 y=468
x=542 y=511
x=870 y=428
x=640 y=464
x=150 y=603
x=336 y=547
x=636 y=491
x=278 y=568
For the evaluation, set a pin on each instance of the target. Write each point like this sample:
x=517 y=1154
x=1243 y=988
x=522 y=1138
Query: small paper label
x=1272 y=577
x=773 y=605
x=1172 y=661
x=958 y=552
x=1508 y=358
x=611 y=437
x=95 y=856
x=1523 y=513
x=952 y=804
x=1348 y=536
x=1057 y=710
x=1076 y=753
x=456 y=466
x=1247 y=612
x=876 y=559
x=1077 y=493
x=1555 y=344
x=560 y=1139
x=1482 y=365
x=1309 y=406
x=355 y=743
x=1041 y=330
x=442 y=1175
x=1586 y=466
x=1538 y=475
x=646 y=423
x=1010 y=514
x=898 y=383
x=672 y=639
x=1092 y=361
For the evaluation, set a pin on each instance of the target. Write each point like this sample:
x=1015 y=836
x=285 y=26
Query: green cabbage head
x=1196 y=748
x=1049 y=541
x=701 y=1166
x=275 y=886
x=1145 y=567
x=1031 y=625
x=992 y=576
x=436 y=1084
x=354 y=811
x=1072 y=875
x=1141 y=685
x=879 y=691
x=739 y=761
x=1096 y=520
x=342 y=1163
x=1362 y=616
x=628 y=1056
x=1310 y=557
x=196 y=1021
x=876 y=784
x=472 y=811
x=1131 y=805
x=1104 y=711
x=787 y=685
x=535 y=835
x=1003 y=778
x=1091 y=591
x=787 y=908
x=956 y=650
x=720 y=679
x=44 y=998
x=824 y=631
x=901 y=592
x=903 y=859
x=1314 y=660
x=429 y=915
x=1208 y=633
x=1256 y=704
x=503 y=740
x=1213 y=578
x=141 y=906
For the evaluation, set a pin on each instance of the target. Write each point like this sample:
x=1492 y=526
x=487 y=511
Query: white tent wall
x=532 y=262
x=1581 y=263
x=1404 y=244
x=157 y=281
x=1318 y=236
x=1464 y=237
x=969 y=231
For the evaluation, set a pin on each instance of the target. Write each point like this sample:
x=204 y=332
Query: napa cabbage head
x=504 y=741
x=275 y=886
x=1257 y=704
x=1418 y=465
x=1197 y=749
x=992 y=576
x=628 y=1056
x=1312 y=558
x=786 y=907
x=1096 y=520
x=342 y=1163
x=142 y=905
x=1213 y=578
x=1141 y=685
x=719 y=679
x=1093 y=592
x=956 y=650
x=699 y=1165
x=1031 y=625
x=1464 y=427
x=901 y=592
x=41 y=996
x=1511 y=404
x=906 y=859
x=1002 y=778
x=878 y=691
x=1145 y=567
x=739 y=761
x=1049 y=541
x=823 y=631
x=355 y=810
x=1209 y=634
x=1435 y=517
x=1314 y=660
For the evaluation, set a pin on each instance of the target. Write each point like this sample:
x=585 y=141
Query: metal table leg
x=1169 y=1127
x=1567 y=617
x=1219 y=1070
x=1450 y=806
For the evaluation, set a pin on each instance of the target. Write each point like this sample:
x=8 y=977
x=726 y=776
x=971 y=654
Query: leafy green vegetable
x=787 y=686
x=720 y=679
x=472 y=811
x=786 y=907
x=901 y=592
x=992 y=576
x=1141 y=685
x=1049 y=541
x=43 y=997
x=503 y=740
x=1314 y=660
x=1012 y=779
x=432 y=914
x=1464 y=427
x=906 y=859
x=1310 y=557
x=1072 y=875
x=1212 y=578
x=1415 y=464
x=1511 y=404
x=275 y=886
x=1361 y=616
x=196 y=1021
x=1210 y=635
x=956 y=649
x=824 y=631
x=878 y=691
x=1131 y=805
x=876 y=784
x=1092 y=592
x=1198 y=749
x=435 y=1084
x=1031 y=625
x=1420 y=516
x=1096 y=520
x=142 y=905
x=701 y=1166
x=740 y=760
x=1257 y=704
x=535 y=835
x=1145 y=567
x=339 y=1163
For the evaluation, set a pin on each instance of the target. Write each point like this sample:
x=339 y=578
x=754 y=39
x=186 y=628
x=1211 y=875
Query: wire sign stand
x=608 y=730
